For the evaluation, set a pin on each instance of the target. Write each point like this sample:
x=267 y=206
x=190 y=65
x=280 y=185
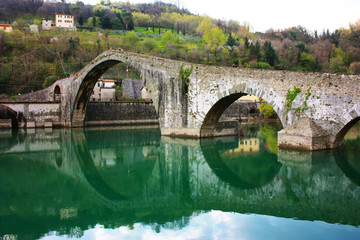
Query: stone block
x=30 y=124
x=48 y=125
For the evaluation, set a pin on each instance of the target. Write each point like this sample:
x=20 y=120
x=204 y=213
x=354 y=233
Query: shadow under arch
x=339 y=139
x=97 y=181
x=213 y=115
x=9 y=113
x=210 y=149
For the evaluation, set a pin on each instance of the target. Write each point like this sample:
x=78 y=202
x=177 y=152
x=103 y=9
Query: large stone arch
x=85 y=89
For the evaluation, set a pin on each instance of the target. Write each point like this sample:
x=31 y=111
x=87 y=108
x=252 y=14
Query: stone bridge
x=330 y=110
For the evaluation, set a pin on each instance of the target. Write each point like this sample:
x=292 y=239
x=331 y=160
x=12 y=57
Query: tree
x=269 y=53
x=49 y=81
x=58 y=70
x=231 y=41
x=214 y=38
x=354 y=68
x=105 y=22
x=307 y=61
x=116 y=23
x=128 y=21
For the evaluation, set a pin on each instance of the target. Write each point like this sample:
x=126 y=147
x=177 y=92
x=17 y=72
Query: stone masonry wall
x=109 y=111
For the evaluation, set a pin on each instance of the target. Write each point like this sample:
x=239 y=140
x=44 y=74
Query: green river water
x=115 y=183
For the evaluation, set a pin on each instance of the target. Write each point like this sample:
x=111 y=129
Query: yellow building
x=6 y=27
x=65 y=21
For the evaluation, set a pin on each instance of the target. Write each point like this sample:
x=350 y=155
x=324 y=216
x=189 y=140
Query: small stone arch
x=213 y=115
x=9 y=113
x=339 y=138
x=57 y=94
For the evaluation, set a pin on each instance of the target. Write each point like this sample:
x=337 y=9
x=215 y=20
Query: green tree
x=214 y=38
x=269 y=53
x=231 y=41
x=307 y=61
x=105 y=22
x=58 y=70
x=127 y=19
x=116 y=23
x=49 y=81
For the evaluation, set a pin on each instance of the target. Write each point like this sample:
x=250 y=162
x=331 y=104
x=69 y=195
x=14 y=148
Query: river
x=117 y=183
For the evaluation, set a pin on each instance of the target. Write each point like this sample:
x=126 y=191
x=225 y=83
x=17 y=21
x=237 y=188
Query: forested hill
x=30 y=61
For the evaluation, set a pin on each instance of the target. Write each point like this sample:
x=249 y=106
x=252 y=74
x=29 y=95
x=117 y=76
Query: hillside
x=30 y=61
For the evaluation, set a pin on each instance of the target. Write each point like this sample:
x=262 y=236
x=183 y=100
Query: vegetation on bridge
x=159 y=29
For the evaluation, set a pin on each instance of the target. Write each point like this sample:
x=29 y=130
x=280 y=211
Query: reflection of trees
x=269 y=134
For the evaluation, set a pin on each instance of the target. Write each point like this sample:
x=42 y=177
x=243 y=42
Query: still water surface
x=114 y=183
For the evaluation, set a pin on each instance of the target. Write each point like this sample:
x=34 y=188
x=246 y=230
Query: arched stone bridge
x=333 y=106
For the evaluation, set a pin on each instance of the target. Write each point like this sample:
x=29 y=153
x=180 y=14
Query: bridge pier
x=306 y=134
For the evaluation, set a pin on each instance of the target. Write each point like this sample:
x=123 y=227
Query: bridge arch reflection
x=110 y=176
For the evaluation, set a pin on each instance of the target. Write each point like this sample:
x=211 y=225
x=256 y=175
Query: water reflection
x=71 y=182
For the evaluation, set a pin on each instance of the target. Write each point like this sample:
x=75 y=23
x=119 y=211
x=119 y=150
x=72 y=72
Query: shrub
x=49 y=81
x=355 y=68
x=266 y=110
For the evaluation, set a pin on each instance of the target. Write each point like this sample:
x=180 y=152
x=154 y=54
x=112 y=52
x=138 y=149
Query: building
x=34 y=28
x=46 y=24
x=6 y=27
x=104 y=90
x=65 y=21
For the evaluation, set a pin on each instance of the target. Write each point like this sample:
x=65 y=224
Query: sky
x=262 y=15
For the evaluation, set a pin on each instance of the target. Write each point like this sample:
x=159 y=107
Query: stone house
x=6 y=27
x=65 y=21
x=104 y=90
x=46 y=24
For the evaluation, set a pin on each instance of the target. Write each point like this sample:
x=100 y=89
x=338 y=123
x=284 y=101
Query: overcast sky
x=262 y=15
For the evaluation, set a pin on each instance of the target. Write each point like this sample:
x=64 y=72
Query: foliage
x=25 y=61
x=184 y=75
x=49 y=81
x=354 y=68
x=266 y=110
x=269 y=134
x=290 y=97
x=260 y=65
x=269 y=53
x=307 y=62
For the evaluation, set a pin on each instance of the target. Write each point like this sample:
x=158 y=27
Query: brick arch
x=217 y=109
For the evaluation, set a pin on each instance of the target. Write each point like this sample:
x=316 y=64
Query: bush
x=354 y=68
x=49 y=81
x=266 y=110
x=260 y=65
